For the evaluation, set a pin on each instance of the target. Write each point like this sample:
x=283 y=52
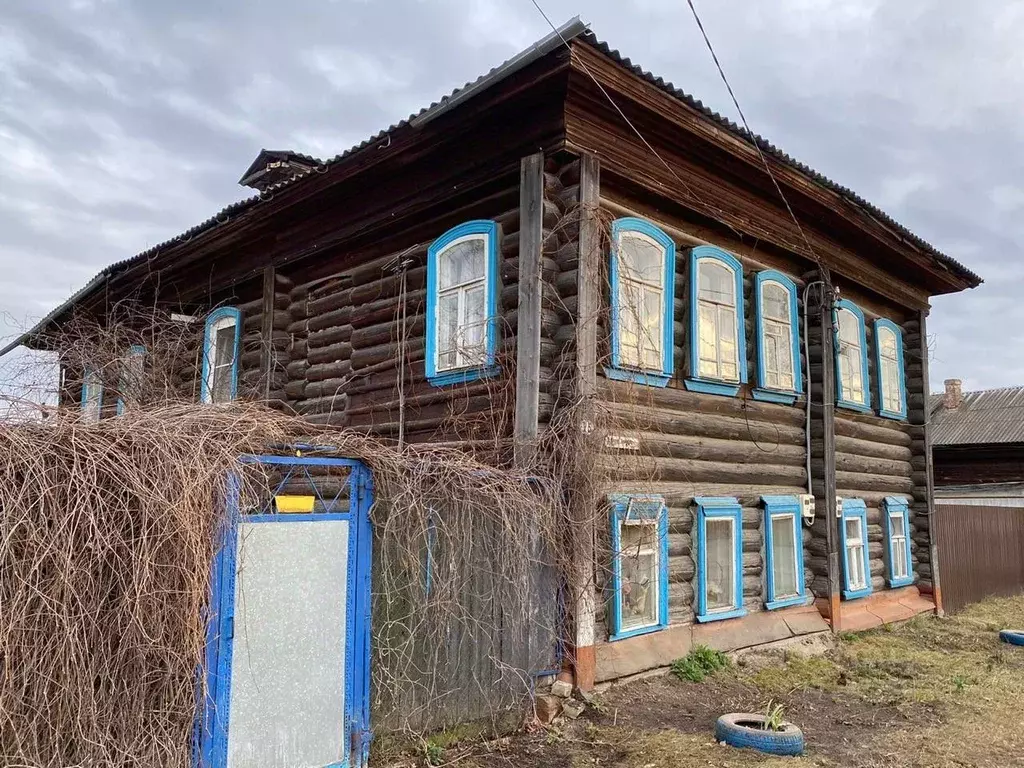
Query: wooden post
x=933 y=547
x=531 y=235
x=267 y=333
x=589 y=306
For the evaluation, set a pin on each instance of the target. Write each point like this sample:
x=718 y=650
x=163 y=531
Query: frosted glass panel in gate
x=288 y=663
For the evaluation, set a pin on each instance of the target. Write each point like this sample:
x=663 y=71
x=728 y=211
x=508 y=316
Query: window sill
x=637 y=377
x=854 y=594
x=712 y=387
x=733 y=614
x=635 y=632
x=463 y=375
x=854 y=407
x=774 y=396
x=906 y=581
x=786 y=602
x=894 y=415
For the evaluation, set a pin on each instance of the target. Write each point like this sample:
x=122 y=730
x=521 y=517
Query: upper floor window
x=778 y=338
x=718 y=350
x=131 y=377
x=639 y=584
x=462 y=303
x=92 y=394
x=892 y=387
x=851 y=357
x=221 y=345
x=856 y=563
x=719 y=558
x=784 y=551
x=897 y=537
x=643 y=288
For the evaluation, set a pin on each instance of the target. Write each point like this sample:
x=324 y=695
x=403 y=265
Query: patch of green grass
x=700 y=662
x=433 y=752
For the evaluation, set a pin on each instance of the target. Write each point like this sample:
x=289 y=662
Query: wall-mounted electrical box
x=807 y=508
x=839 y=507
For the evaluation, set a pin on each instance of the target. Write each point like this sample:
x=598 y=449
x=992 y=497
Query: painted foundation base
x=624 y=658
x=883 y=607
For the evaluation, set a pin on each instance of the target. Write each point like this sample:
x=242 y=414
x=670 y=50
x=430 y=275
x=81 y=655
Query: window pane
x=708 y=333
x=639 y=569
x=720 y=568
x=716 y=283
x=853 y=530
x=641 y=258
x=891 y=385
x=447 y=330
x=851 y=374
x=775 y=302
x=784 y=556
x=887 y=343
x=222 y=363
x=630 y=298
x=849 y=327
x=727 y=344
x=652 y=328
x=461 y=263
x=472 y=330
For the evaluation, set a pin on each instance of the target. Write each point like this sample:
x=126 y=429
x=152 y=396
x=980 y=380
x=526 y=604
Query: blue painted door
x=288 y=643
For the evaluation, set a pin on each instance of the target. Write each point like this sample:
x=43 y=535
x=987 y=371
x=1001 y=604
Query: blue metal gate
x=288 y=643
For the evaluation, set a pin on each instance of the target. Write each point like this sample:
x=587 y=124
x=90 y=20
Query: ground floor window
x=639 y=588
x=784 y=551
x=856 y=569
x=719 y=558
x=897 y=532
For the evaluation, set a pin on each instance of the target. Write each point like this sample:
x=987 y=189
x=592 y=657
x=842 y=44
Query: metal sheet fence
x=981 y=552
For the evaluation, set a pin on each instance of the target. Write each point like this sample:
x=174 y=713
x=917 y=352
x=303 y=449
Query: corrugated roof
x=573 y=29
x=987 y=416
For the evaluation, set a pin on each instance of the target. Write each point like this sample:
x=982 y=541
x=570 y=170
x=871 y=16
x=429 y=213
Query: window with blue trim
x=779 y=376
x=719 y=558
x=852 y=390
x=897 y=538
x=131 y=377
x=221 y=347
x=718 y=346
x=639 y=584
x=892 y=386
x=784 y=551
x=643 y=268
x=92 y=394
x=854 y=535
x=462 y=303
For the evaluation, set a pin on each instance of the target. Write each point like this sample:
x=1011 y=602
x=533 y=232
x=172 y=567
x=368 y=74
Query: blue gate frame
x=213 y=714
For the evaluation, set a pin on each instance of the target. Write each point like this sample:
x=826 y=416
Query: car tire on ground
x=746 y=731
x=1012 y=636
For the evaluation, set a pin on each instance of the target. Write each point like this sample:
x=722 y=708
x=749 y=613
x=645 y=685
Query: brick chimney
x=954 y=396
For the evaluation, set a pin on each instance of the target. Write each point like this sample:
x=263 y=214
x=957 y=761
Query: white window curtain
x=889 y=375
x=856 y=577
x=641 y=292
x=462 y=304
x=777 y=336
x=899 y=567
x=851 y=373
x=720 y=565
x=784 y=556
x=716 y=321
x=639 y=568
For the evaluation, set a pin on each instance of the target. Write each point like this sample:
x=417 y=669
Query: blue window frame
x=462 y=303
x=719 y=558
x=131 y=377
x=779 y=376
x=92 y=394
x=892 y=385
x=639 y=583
x=784 y=552
x=899 y=566
x=222 y=342
x=718 y=340
x=854 y=536
x=853 y=388
x=642 y=271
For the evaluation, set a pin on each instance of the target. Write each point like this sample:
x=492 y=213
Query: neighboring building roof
x=574 y=29
x=988 y=416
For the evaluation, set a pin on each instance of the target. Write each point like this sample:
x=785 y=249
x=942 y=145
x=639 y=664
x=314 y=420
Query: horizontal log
x=328 y=336
x=296 y=369
x=692 y=470
x=680 y=594
x=679 y=544
x=681 y=569
x=321 y=405
x=330 y=319
x=295 y=389
x=869 y=448
x=848 y=462
x=389 y=285
x=335 y=352
x=328 y=302
x=848 y=426
x=326 y=387
x=363 y=358
x=863 y=481
x=706 y=448
x=324 y=371
x=700 y=424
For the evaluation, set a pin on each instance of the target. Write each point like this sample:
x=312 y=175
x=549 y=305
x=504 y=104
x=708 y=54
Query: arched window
x=718 y=350
x=642 y=272
x=462 y=303
x=779 y=376
x=892 y=387
x=221 y=345
x=852 y=390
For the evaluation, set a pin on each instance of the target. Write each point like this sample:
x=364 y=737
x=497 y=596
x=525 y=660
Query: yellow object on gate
x=293 y=504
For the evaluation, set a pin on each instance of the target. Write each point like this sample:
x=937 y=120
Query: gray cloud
x=125 y=123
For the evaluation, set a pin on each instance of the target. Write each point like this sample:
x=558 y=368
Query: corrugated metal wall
x=981 y=552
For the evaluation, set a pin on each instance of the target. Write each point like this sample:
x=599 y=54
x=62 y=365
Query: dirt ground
x=931 y=692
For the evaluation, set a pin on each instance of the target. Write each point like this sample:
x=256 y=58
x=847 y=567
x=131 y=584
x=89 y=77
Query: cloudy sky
x=123 y=123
